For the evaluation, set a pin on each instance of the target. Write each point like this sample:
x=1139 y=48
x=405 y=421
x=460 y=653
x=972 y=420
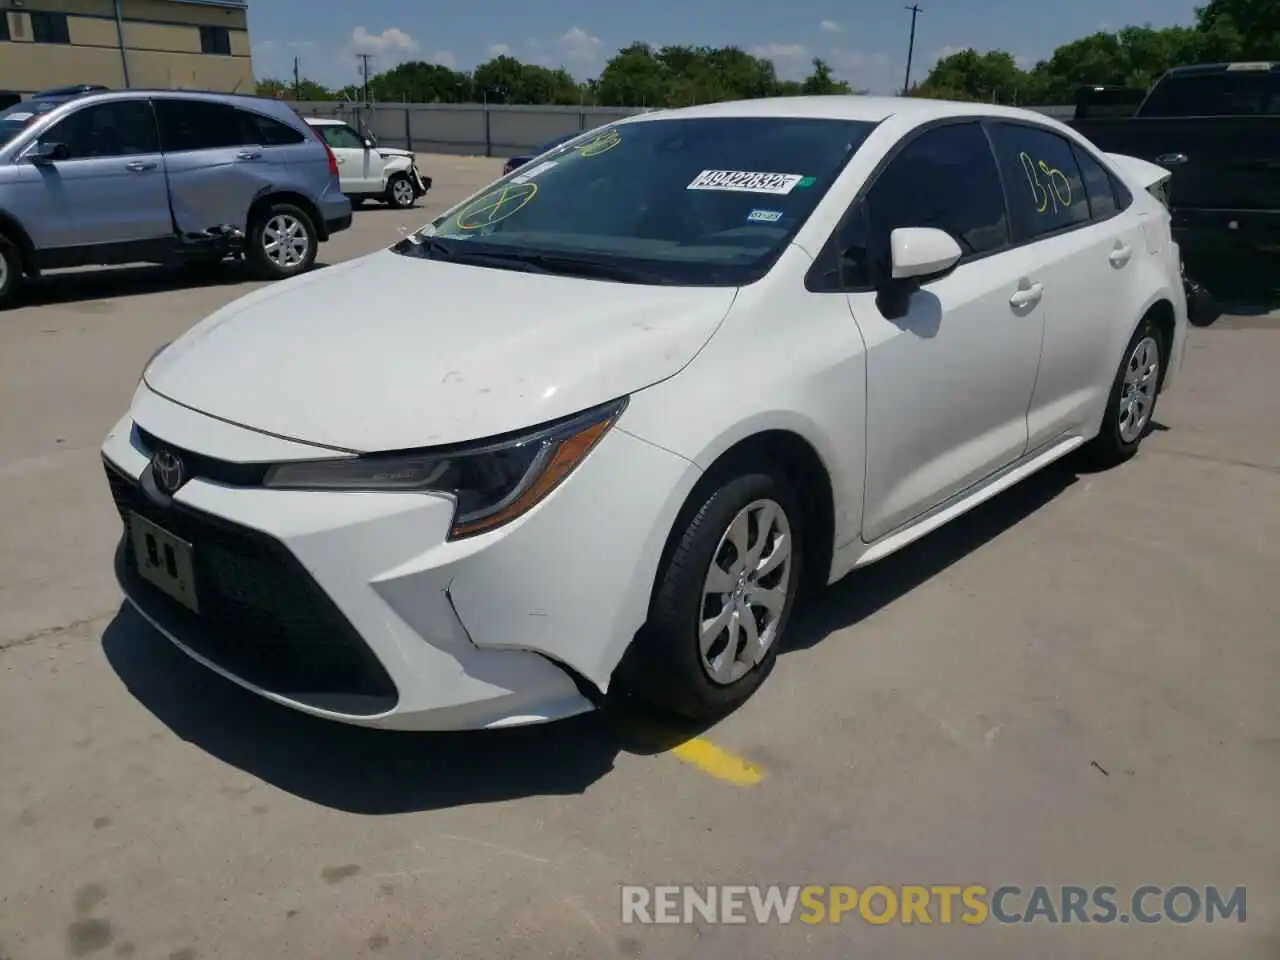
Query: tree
x=634 y=77
x=821 y=80
x=306 y=90
x=419 y=82
x=1247 y=29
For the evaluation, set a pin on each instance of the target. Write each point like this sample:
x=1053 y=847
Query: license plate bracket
x=164 y=561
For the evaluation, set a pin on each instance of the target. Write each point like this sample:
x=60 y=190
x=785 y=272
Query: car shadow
x=373 y=772
x=378 y=772
x=83 y=286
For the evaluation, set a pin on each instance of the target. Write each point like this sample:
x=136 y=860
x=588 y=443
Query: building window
x=49 y=27
x=4 y=26
x=215 y=40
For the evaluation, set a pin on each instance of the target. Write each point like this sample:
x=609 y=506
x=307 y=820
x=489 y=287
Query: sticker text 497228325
x=745 y=181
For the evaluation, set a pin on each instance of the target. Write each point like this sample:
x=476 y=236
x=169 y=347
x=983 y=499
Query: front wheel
x=10 y=271
x=722 y=602
x=400 y=192
x=1132 y=403
x=282 y=242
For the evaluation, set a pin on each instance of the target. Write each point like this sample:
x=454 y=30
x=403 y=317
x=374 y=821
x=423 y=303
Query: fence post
x=488 y=133
x=408 y=128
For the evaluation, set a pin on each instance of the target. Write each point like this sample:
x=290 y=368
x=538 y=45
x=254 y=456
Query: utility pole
x=911 y=45
x=297 y=82
x=364 y=70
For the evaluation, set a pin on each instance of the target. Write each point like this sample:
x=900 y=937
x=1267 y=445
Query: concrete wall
x=474 y=130
x=466 y=128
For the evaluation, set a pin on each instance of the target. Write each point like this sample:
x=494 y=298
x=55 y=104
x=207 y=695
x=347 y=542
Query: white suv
x=371 y=172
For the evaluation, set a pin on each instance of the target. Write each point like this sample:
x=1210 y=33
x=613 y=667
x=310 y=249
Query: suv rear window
x=1229 y=93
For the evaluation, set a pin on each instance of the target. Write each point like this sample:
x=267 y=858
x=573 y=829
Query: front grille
x=262 y=616
x=198 y=465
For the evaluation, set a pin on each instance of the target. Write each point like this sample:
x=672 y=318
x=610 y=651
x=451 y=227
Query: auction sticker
x=527 y=175
x=744 y=181
x=764 y=216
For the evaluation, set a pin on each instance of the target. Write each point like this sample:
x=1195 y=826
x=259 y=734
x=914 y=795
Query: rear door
x=1087 y=246
x=112 y=185
x=217 y=166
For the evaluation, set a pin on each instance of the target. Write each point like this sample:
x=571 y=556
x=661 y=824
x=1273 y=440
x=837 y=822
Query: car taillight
x=333 y=160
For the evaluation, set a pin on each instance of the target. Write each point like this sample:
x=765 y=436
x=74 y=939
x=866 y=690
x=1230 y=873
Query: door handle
x=1121 y=254
x=249 y=155
x=1028 y=295
x=140 y=166
x=1171 y=159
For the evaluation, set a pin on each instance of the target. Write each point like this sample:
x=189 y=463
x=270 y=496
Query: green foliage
x=1225 y=30
x=639 y=75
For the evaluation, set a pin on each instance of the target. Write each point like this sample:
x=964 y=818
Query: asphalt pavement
x=1075 y=684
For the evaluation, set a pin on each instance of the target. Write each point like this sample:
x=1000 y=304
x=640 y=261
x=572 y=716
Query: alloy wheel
x=1138 y=393
x=402 y=193
x=285 y=241
x=744 y=593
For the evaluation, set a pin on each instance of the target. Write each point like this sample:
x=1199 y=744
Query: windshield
x=15 y=119
x=699 y=201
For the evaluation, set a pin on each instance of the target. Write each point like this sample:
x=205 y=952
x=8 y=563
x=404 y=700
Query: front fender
x=394 y=165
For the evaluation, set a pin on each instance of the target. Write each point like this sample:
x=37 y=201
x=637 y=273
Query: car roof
x=841 y=107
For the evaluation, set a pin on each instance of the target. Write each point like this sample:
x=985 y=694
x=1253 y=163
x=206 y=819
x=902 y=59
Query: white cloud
x=830 y=26
x=444 y=58
x=390 y=42
x=780 y=51
x=580 y=46
x=498 y=50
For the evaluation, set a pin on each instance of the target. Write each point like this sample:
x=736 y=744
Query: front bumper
x=420 y=183
x=354 y=607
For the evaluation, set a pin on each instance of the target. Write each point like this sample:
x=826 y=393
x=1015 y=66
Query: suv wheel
x=282 y=242
x=10 y=271
x=400 y=192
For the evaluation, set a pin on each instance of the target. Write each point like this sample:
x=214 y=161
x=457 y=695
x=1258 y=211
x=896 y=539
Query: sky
x=865 y=41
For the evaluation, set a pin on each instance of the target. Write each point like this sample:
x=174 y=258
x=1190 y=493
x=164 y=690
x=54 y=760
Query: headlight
x=492 y=483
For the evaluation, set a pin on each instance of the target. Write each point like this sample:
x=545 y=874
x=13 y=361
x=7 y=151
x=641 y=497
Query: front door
x=359 y=168
x=950 y=380
x=112 y=183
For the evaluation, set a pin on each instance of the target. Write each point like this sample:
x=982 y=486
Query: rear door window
x=1046 y=189
x=1228 y=93
x=266 y=131
x=199 y=125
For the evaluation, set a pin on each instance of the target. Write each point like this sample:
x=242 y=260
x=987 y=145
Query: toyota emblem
x=170 y=473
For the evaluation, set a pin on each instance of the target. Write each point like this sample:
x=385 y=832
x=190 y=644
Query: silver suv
x=162 y=176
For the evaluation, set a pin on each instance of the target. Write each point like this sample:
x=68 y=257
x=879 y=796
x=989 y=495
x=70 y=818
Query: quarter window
x=118 y=129
x=1046 y=191
x=1098 y=185
x=944 y=178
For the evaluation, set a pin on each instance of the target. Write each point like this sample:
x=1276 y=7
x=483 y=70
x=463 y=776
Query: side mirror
x=368 y=143
x=921 y=254
x=48 y=151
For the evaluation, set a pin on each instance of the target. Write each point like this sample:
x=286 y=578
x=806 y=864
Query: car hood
x=390 y=352
x=395 y=152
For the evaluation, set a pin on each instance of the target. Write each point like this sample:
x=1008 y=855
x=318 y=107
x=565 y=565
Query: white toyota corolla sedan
x=616 y=411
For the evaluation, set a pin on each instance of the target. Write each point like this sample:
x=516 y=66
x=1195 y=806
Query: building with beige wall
x=188 y=44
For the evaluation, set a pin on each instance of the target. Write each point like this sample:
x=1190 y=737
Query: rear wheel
x=722 y=602
x=282 y=242
x=10 y=271
x=1132 y=403
x=400 y=192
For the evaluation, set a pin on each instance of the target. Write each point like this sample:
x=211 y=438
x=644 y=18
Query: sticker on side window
x=745 y=181
x=19 y=117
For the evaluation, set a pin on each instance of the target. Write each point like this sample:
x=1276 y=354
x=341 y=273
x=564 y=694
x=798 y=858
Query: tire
x=10 y=271
x=277 y=223
x=669 y=665
x=400 y=192
x=1128 y=420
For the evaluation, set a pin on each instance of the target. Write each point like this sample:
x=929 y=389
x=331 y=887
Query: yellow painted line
x=718 y=762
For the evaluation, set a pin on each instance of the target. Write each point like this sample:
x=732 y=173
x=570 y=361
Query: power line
x=916 y=10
